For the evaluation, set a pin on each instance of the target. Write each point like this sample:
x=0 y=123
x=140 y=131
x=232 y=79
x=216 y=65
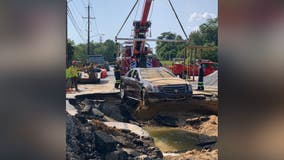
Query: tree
x=69 y=52
x=207 y=35
x=169 y=50
x=110 y=50
x=196 y=38
x=80 y=52
x=209 y=31
x=106 y=49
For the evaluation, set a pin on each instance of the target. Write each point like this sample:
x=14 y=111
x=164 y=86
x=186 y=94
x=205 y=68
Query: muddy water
x=173 y=139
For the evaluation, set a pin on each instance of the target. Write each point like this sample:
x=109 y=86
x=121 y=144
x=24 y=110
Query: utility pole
x=89 y=26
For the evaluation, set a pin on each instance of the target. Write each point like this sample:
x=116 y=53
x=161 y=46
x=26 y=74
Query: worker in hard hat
x=149 y=62
x=68 y=79
x=73 y=69
x=133 y=63
x=200 y=84
x=117 y=73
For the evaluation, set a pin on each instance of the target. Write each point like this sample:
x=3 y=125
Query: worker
x=149 y=62
x=159 y=63
x=74 y=75
x=117 y=75
x=133 y=63
x=200 y=77
x=68 y=79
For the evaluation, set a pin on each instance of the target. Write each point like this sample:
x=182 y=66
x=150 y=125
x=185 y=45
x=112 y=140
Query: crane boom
x=140 y=29
x=147 y=6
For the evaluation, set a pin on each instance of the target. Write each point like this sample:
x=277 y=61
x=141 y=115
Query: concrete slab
x=133 y=128
x=70 y=109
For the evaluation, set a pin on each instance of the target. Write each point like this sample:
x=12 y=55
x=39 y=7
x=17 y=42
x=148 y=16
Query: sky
x=110 y=15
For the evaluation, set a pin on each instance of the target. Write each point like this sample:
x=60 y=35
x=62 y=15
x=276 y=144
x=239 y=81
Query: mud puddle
x=169 y=139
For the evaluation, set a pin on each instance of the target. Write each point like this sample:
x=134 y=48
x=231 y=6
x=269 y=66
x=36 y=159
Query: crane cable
x=150 y=18
x=152 y=10
x=126 y=18
x=137 y=11
x=178 y=19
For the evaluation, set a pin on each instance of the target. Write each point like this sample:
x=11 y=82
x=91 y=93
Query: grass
x=166 y=63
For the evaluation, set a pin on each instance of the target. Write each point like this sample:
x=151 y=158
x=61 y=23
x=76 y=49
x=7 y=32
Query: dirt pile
x=206 y=127
x=195 y=155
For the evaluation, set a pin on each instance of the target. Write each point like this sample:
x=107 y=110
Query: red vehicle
x=103 y=73
x=178 y=68
x=134 y=53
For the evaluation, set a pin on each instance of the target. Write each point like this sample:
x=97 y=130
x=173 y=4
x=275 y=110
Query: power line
x=76 y=16
x=178 y=19
x=126 y=18
x=97 y=27
x=152 y=10
x=77 y=10
x=137 y=10
x=75 y=24
x=83 y=3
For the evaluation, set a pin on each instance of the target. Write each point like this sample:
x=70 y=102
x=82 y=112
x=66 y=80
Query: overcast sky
x=110 y=15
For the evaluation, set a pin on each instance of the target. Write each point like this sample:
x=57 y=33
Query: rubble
x=94 y=140
x=96 y=132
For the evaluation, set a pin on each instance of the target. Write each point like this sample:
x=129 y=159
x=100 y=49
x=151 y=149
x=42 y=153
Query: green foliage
x=166 y=63
x=69 y=52
x=80 y=53
x=207 y=35
x=168 y=51
x=106 y=49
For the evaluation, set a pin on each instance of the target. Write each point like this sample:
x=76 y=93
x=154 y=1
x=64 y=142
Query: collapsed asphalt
x=89 y=138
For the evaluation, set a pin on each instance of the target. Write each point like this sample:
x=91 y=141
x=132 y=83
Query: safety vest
x=73 y=71
x=68 y=73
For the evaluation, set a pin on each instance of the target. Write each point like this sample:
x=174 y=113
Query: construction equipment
x=179 y=68
x=189 y=65
x=135 y=52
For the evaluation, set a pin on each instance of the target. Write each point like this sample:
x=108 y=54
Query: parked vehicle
x=149 y=85
x=103 y=73
x=90 y=76
x=98 y=60
x=179 y=68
